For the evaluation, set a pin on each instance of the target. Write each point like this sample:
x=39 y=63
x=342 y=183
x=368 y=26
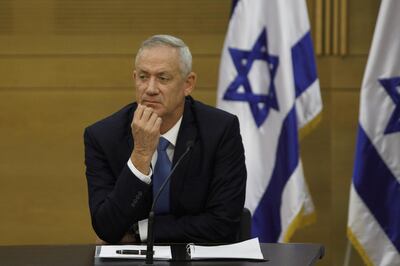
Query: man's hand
x=146 y=133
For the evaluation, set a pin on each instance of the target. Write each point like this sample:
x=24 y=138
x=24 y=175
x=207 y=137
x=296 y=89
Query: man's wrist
x=141 y=162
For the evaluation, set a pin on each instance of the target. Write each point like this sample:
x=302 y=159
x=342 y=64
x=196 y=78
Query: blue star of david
x=392 y=87
x=260 y=104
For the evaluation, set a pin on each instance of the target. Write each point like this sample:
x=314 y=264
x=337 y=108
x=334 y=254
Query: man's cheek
x=139 y=96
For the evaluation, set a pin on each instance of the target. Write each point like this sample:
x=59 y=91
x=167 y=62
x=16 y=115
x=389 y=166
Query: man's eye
x=142 y=76
x=164 y=78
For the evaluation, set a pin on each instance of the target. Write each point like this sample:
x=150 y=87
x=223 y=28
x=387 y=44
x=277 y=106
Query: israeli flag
x=268 y=79
x=374 y=211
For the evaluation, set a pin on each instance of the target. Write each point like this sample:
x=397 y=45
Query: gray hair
x=168 y=40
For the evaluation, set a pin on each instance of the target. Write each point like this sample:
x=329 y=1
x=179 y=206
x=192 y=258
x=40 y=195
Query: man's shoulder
x=210 y=113
x=116 y=121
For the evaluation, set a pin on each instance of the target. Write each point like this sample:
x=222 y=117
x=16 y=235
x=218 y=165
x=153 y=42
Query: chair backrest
x=245 y=226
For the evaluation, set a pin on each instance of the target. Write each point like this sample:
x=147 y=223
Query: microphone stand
x=150 y=224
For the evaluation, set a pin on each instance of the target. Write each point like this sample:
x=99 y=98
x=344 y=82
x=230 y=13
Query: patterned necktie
x=161 y=171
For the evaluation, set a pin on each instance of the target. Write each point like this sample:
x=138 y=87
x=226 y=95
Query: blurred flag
x=268 y=79
x=374 y=211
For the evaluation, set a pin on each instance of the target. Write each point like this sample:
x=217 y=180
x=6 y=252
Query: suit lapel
x=187 y=133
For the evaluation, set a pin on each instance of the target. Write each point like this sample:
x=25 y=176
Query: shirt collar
x=172 y=134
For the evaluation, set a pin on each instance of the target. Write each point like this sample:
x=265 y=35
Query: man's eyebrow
x=164 y=73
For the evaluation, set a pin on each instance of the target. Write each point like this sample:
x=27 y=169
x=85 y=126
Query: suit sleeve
x=115 y=201
x=219 y=222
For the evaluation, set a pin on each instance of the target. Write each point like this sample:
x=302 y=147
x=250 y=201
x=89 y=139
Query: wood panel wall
x=67 y=63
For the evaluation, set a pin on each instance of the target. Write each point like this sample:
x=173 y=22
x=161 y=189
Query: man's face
x=159 y=81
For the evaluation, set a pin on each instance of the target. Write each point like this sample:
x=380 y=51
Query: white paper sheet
x=249 y=249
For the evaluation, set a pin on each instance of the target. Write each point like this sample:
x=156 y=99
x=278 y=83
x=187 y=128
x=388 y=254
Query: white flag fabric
x=374 y=209
x=268 y=79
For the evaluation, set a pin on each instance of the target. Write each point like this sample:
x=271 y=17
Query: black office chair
x=245 y=226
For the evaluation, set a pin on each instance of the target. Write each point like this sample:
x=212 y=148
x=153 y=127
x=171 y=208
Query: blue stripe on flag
x=378 y=187
x=304 y=69
x=266 y=222
x=234 y=3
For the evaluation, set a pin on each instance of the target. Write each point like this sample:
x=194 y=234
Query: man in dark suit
x=125 y=165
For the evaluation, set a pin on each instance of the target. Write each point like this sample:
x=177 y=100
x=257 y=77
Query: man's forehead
x=156 y=66
x=157 y=71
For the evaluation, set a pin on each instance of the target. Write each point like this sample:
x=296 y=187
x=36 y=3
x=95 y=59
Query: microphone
x=150 y=224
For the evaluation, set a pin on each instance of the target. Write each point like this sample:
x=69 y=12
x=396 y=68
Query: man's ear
x=190 y=83
x=134 y=74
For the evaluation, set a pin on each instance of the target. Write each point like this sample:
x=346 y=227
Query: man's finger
x=157 y=124
x=138 y=113
x=148 y=111
x=152 y=120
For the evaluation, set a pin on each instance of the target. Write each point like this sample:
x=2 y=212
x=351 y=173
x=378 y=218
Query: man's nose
x=152 y=86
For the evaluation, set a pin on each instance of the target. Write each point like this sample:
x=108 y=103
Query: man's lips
x=147 y=102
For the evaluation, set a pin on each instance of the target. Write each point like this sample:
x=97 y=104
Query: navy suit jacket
x=207 y=191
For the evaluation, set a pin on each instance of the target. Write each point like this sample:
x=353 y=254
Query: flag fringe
x=301 y=220
x=310 y=126
x=357 y=245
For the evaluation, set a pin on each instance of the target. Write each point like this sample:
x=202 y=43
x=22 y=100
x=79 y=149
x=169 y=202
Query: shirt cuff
x=143 y=230
x=138 y=174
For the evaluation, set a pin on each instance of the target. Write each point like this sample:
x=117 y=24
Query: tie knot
x=162 y=144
